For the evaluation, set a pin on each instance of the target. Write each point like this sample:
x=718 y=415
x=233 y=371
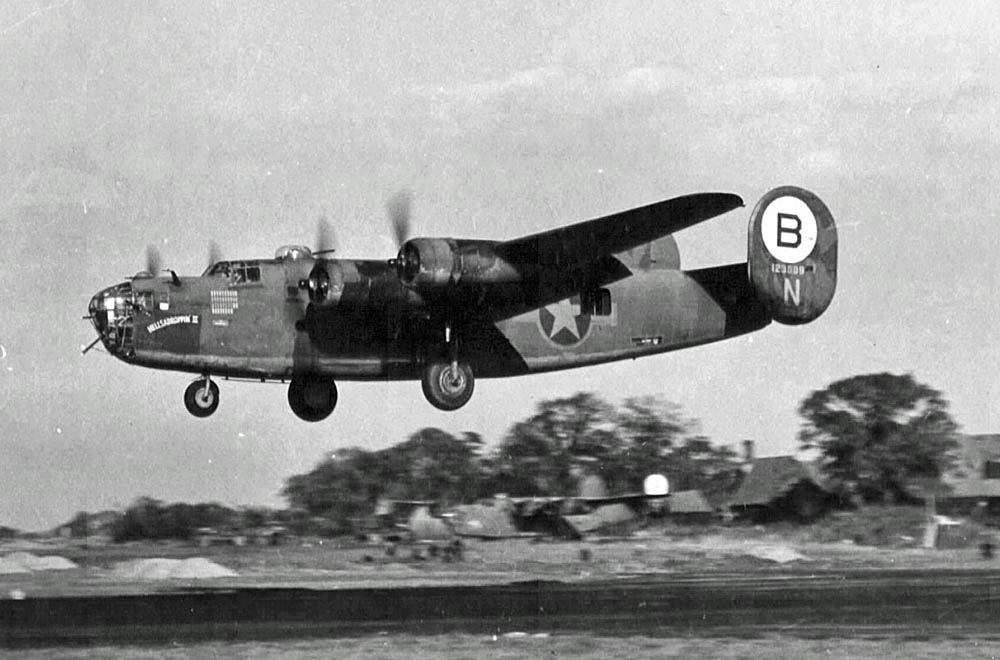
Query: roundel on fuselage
x=563 y=323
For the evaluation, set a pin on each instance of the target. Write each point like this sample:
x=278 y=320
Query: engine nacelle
x=325 y=283
x=433 y=265
x=792 y=254
x=427 y=262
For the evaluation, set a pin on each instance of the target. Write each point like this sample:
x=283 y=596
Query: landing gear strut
x=312 y=398
x=448 y=384
x=201 y=397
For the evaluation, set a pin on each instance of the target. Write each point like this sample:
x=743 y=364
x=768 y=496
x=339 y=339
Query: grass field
x=338 y=564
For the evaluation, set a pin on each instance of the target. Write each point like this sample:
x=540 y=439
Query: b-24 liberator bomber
x=446 y=311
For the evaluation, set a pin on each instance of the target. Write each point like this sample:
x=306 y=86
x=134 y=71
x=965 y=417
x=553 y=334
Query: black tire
x=446 y=390
x=199 y=400
x=312 y=399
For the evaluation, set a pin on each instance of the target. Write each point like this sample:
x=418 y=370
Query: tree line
x=545 y=454
x=876 y=438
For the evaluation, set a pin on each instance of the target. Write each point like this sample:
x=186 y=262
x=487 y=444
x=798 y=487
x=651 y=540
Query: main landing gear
x=448 y=385
x=201 y=397
x=312 y=398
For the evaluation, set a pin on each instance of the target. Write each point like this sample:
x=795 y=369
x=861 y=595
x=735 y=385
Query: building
x=972 y=484
x=781 y=488
x=690 y=507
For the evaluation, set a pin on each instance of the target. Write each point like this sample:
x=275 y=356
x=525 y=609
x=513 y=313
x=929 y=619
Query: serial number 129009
x=791 y=269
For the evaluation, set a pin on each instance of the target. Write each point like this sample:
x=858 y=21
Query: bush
x=893 y=526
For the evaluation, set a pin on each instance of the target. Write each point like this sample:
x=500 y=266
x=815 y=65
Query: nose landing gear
x=201 y=397
x=312 y=398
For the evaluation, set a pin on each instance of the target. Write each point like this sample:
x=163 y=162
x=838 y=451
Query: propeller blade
x=154 y=263
x=400 y=207
x=214 y=253
x=326 y=242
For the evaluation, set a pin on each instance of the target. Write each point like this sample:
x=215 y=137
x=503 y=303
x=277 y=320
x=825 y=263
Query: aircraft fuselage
x=259 y=327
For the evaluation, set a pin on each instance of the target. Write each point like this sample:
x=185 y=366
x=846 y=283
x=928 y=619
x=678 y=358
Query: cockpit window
x=237 y=272
x=143 y=301
x=244 y=272
x=220 y=268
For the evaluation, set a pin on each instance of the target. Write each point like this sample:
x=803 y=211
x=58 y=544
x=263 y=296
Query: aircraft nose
x=97 y=310
x=110 y=312
x=92 y=307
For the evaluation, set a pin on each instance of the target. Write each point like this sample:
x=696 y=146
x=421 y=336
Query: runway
x=846 y=604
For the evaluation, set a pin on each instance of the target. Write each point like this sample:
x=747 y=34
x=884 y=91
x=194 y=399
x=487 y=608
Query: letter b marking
x=789 y=224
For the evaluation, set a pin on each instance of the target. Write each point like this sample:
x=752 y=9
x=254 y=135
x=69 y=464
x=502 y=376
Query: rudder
x=792 y=254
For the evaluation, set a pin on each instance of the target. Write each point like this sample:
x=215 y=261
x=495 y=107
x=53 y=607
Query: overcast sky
x=173 y=123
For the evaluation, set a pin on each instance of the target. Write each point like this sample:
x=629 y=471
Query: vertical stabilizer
x=792 y=254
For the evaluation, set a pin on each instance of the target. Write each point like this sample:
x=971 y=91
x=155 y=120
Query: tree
x=878 y=432
x=697 y=464
x=566 y=438
x=431 y=465
x=658 y=438
x=651 y=430
x=148 y=518
x=435 y=465
x=543 y=454
x=342 y=488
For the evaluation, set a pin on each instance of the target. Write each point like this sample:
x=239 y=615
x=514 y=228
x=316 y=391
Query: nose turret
x=96 y=313
x=111 y=310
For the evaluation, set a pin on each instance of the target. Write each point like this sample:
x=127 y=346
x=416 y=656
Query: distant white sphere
x=656 y=485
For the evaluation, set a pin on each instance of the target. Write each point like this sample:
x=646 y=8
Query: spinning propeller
x=326 y=242
x=214 y=253
x=154 y=262
x=400 y=207
x=154 y=265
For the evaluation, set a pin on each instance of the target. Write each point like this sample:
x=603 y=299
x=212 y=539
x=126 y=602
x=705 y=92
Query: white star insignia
x=564 y=315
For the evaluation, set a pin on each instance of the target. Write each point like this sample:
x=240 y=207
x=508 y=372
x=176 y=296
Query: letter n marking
x=793 y=293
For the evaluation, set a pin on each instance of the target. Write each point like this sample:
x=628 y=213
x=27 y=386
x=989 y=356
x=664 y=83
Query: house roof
x=970 y=455
x=689 y=501
x=484 y=521
x=602 y=516
x=593 y=486
x=769 y=479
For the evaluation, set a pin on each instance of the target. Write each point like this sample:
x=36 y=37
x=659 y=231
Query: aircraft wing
x=586 y=242
x=539 y=499
x=620 y=499
x=531 y=504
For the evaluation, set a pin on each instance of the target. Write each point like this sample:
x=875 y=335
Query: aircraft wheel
x=448 y=389
x=311 y=398
x=201 y=401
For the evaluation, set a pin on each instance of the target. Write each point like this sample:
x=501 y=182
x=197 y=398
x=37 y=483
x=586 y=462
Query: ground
x=672 y=551
x=338 y=564
x=579 y=647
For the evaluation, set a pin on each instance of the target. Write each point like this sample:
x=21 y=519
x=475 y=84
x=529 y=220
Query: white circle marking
x=789 y=229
